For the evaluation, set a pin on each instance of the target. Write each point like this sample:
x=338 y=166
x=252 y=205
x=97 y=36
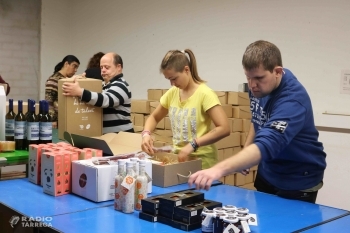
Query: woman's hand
x=185 y=152
x=147 y=144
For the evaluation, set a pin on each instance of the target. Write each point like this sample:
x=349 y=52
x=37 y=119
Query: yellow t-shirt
x=189 y=120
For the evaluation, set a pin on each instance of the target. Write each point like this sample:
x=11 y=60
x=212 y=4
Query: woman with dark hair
x=64 y=69
x=93 y=69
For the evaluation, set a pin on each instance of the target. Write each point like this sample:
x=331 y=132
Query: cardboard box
x=173 y=174
x=163 y=136
x=230 y=179
x=148 y=217
x=195 y=209
x=138 y=129
x=222 y=95
x=242 y=112
x=154 y=94
x=230 y=141
x=220 y=154
x=139 y=119
x=153 y=105
x=243 y=138
x=238 y=98
x=236 y=124
x=246 y=125
x=164 y=91
x=249 y=186
x=96 y=182
x=160 y=125
x=228 y=152
x=150 y=205
x=76 y=116
x=227 y=109
x=140 y=106
x=34 y=163
x=56 y=170
x=239 y=179
x=110 y=143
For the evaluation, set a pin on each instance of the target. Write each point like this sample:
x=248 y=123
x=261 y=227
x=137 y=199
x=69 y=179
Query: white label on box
x=253 y=220
x=245 y=226
x=231 y=228
x=194 y=213
x=178 y=203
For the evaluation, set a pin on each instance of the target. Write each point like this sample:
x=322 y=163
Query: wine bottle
x=40 y=110
x=45 y=124
x=20 y=123
x=32 y=125
x=10 y=123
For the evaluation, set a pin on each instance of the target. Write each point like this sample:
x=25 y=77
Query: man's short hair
x=118 y=60
x=261 y=53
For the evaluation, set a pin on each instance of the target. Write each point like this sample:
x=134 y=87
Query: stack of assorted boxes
x=237 y=108
x=49 y=165
x=180 y=210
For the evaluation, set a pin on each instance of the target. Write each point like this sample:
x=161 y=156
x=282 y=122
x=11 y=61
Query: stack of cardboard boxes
x=237 y=108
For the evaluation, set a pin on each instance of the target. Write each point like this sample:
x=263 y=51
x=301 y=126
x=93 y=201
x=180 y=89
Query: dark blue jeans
x=264 y=186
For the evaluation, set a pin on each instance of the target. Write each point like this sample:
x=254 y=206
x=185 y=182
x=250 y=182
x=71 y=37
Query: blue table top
x=339 y=225
x=274 y=214
x=20 y=195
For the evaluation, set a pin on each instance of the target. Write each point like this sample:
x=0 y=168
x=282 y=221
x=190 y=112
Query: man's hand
x=204 y=178
x=185 y=152
x=245 y=171
x=72 y=88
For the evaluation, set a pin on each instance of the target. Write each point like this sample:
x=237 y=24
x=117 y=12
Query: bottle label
x=45 y=131
x=20 y=129
x=128 y=190
x=32 y=131
x=141 y=191
x=10 y=128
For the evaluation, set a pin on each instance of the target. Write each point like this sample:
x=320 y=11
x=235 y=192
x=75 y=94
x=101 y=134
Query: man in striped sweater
x=115 y=98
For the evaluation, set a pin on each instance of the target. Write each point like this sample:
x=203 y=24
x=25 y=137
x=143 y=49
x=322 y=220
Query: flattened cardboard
x=172 y=174
x=78 y=117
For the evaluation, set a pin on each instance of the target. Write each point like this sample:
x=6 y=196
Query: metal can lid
x=242 y=210
x=230 y=219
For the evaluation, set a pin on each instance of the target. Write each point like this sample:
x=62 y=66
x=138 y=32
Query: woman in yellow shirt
x=191 y=105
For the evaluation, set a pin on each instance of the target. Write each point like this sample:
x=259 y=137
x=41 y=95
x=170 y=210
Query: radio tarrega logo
x=31 y=221
x=14 y=220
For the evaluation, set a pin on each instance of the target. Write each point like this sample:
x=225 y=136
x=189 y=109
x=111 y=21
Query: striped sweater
x=51 y=94
x=115 y=100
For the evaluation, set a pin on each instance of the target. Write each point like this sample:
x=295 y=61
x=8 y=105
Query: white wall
x=56 y=30
x=313 y=36
x=19 y=47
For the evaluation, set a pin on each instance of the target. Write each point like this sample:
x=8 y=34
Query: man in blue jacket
x=282 y=139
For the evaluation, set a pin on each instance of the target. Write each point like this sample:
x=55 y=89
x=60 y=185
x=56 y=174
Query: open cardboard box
x=110 y=143
x=173 y=174
x=94 y=181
